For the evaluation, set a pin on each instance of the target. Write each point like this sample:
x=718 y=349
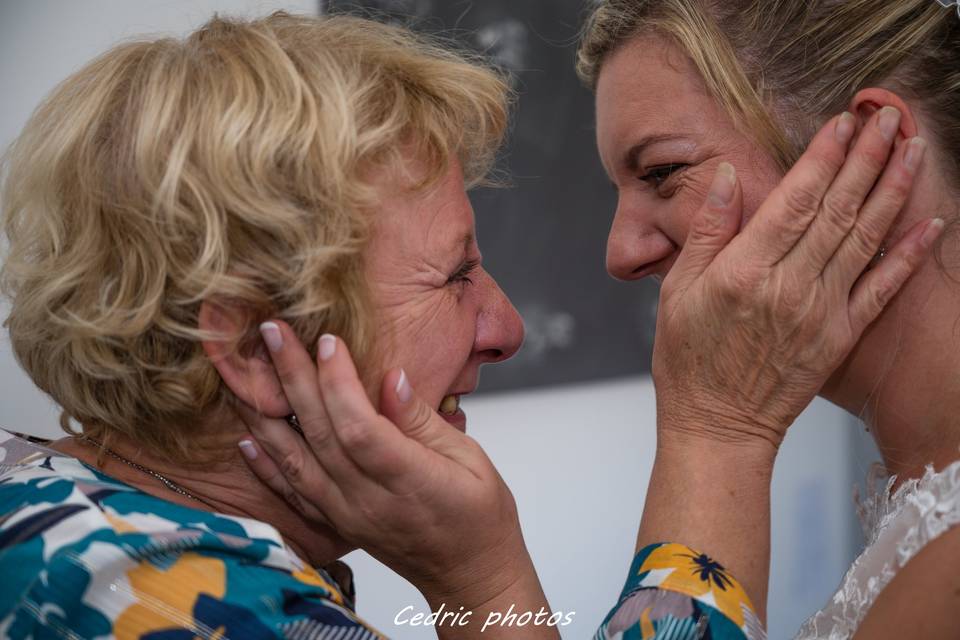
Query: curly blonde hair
x=232 y=165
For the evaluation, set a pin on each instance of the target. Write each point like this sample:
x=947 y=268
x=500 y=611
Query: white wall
x=577 y=458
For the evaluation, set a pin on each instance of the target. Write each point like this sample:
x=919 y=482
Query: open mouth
x=450 y=411
x=450 y=405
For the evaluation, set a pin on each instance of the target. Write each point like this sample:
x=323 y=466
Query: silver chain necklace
x=170 y=484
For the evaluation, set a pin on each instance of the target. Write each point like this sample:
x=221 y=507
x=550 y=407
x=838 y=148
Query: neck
x=903 y=379
x=227 y=487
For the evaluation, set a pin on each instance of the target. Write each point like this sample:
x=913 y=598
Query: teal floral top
x=85 y=556
x=676 y=593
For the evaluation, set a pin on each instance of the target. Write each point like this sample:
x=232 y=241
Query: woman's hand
x=405 y=486
x=750 y=327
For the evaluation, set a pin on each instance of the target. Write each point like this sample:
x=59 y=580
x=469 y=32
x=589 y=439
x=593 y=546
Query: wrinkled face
x=440 y=315
x=661 y=137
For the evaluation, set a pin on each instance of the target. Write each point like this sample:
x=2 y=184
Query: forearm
x=713 y=497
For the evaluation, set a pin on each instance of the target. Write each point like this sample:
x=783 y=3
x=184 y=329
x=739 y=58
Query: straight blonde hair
x=783 y=67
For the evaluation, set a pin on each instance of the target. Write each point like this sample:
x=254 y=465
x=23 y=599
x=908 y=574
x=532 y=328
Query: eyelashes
x=463 y=273
x=658 y=176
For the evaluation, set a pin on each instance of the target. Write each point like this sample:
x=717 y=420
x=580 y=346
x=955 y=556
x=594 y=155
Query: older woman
x=162 y=203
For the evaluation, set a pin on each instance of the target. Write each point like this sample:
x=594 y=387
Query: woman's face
x=440 y=315
x=661 y=137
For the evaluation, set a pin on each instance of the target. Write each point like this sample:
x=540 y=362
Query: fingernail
x=271 y=335
x=846 y=125
x=327 y=347
x=404 y=392
x=889 y=122
x=916 y=149
x=248 y=449
x=724 y=183
x=931 y=233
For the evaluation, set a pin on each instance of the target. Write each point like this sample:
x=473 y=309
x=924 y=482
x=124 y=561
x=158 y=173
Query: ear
x=249 y=372
x=868 y=101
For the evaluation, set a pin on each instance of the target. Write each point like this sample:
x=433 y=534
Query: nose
x=499 y=326
x=635 y=245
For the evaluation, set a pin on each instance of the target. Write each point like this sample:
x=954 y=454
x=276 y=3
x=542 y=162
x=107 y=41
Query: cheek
x=685 y=206
x=757 y=181
x=432 y=338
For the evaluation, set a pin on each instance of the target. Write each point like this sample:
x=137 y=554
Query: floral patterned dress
x=83 y=555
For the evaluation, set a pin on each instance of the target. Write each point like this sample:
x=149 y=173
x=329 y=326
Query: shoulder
x=923 y=598
x=77 y=546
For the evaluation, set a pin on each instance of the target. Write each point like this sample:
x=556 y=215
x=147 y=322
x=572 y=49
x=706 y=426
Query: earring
x=877 y=258
x=294 y=423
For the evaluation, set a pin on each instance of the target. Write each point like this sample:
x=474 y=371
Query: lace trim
x=897 y=525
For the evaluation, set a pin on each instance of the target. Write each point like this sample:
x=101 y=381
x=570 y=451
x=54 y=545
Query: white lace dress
x=896 y=526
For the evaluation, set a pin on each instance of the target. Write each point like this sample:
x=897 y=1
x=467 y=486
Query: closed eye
x=462 y=274
x=657 y=176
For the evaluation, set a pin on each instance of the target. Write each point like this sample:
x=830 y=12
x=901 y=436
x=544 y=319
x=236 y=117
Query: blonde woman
x=166 y=200
x=748 y=83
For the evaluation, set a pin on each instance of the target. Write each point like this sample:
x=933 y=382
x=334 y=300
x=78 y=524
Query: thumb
x=415 y=418
x=712 y=228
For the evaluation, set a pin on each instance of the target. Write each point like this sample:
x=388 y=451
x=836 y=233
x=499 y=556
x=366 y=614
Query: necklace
x=170 y=484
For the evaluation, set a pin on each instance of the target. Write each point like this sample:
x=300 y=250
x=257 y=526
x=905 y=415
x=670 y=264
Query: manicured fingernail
x=724 y=183
x=248 y=449
x=846 y=125
x=916 y=149
x=889 y=122
x=327 y=347
x=931 y=233
x=404 y=392
x=271 y=335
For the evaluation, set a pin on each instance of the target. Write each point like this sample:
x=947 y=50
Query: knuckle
x=897 y=190
x=737 y=286
x=879 y=296
x=292 y=497
x=421 y=417
x=355 y=434
x=863 y=243
x=874 y=158
x=317 y=432
x=292 y=466
x=840 y=210
x=792 y=304
x=802 y=201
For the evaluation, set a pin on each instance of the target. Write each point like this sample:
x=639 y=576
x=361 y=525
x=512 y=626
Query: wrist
x=719 y=431
x=480 y=579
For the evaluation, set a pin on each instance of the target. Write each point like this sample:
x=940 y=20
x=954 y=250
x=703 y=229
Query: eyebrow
x=464 y=242
x=631 y=159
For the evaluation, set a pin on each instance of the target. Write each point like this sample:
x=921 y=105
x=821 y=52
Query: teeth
x=450 y=405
